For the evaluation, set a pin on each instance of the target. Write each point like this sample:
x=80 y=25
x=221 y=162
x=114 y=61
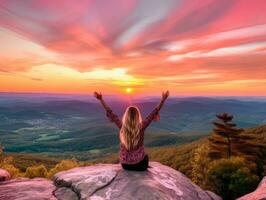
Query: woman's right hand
x=165 y=95
x=98 y=95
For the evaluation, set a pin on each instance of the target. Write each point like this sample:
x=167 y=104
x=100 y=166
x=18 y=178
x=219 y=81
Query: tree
x=255 y=148
x=225 y=137
x=200 y=163
x=6 y=162
x=231 y=178
x=227 y=141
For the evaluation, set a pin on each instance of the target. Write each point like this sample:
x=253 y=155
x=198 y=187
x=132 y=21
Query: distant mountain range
x=74 y=123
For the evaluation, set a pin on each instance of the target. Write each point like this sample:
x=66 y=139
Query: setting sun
x=128 y=90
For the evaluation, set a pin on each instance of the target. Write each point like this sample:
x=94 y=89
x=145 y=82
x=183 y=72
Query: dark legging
x=140 y=166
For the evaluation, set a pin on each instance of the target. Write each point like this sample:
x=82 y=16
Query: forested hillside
x=241 y=171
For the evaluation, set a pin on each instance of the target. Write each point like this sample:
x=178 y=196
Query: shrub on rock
x=36 y=171
x=62 y=166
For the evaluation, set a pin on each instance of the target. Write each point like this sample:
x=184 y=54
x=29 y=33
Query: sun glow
x=128 y=90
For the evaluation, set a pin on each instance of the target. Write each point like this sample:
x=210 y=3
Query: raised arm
x=155 y=112
x=165 y=95
x=109 y=113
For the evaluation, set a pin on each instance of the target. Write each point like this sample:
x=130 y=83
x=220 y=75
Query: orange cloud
x=209 y=47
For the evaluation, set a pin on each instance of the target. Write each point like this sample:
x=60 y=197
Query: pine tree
x=225 y=138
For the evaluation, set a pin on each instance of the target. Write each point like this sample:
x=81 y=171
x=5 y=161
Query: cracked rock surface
x=110 y=182
x=85 y=181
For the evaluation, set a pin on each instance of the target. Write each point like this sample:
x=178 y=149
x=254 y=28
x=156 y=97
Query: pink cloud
x=143 y=35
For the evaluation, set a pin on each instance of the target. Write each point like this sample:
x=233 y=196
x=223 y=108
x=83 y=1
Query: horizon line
x=138 y=95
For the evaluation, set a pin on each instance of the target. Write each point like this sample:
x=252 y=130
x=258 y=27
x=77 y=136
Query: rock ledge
x=4 y=175
x=107 y=181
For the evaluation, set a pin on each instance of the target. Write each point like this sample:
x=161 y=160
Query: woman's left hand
x=165 y=95
x=98 y=96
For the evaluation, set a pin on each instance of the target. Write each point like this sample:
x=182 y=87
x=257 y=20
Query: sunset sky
x=191 y=47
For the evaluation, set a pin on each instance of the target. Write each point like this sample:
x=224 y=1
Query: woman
x=132 y=155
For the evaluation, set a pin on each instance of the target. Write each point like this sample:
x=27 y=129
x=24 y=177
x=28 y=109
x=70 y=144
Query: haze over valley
x=56 y=124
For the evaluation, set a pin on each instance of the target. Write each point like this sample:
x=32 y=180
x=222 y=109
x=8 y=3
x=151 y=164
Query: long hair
x=129 y=134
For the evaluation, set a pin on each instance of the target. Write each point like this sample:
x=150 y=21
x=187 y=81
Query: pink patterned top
x=136 y=155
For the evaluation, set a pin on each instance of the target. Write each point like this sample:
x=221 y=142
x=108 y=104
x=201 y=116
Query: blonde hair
x=129 y=133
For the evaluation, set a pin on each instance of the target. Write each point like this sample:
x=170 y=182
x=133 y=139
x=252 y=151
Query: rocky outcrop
x=108 y=181
x=4 y=175
x=258 y=194
x=27 y=189
x=111 y=182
